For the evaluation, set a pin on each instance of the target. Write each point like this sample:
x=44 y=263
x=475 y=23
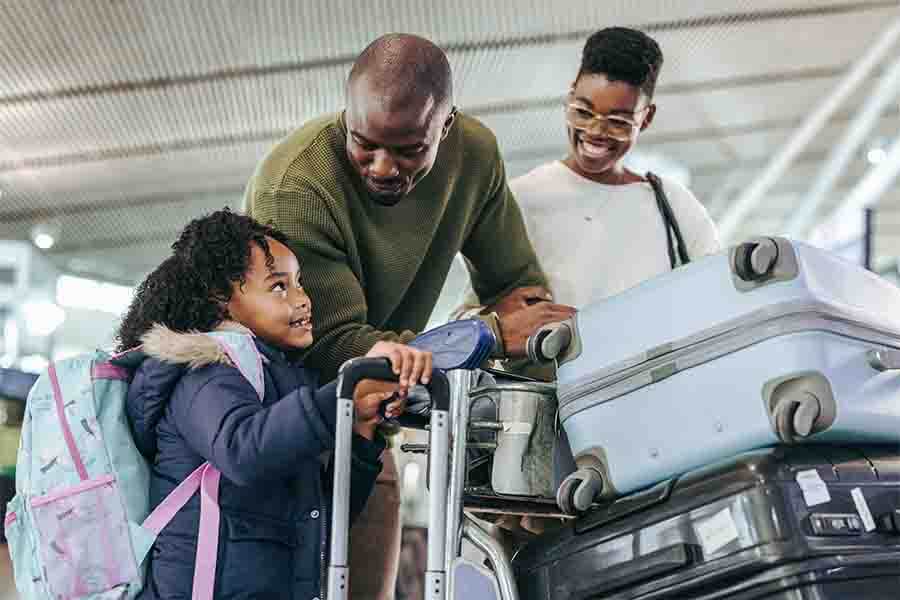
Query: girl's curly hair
x=189 y=291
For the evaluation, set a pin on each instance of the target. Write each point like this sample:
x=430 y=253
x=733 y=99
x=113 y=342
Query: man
x=377 y=200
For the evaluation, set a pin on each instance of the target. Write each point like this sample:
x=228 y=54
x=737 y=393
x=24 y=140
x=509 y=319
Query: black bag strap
x=669 y=222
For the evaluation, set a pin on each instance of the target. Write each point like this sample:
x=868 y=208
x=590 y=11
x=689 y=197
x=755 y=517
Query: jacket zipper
x=323 y=560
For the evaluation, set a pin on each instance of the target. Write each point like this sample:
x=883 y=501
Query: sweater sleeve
x=497 y=267
x=470 y=305
x=340 y=311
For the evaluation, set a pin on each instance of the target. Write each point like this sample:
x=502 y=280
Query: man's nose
x=383 y=166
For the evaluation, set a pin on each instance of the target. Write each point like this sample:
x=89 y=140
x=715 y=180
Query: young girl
x=187 y=407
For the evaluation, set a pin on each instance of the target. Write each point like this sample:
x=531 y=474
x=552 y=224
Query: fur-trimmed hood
x=170 y=355
x=193 y=349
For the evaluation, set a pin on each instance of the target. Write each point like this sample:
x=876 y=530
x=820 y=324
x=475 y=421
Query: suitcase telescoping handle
x=594 y=582
x=352 y=372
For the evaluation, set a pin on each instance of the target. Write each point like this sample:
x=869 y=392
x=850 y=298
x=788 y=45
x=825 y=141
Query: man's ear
x=648 y=118
x=448 y=123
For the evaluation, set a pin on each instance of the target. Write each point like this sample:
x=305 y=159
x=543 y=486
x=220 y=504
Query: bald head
x=400 y=69
x=399 y=110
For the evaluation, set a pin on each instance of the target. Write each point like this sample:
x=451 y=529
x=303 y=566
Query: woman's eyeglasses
x=614 y=126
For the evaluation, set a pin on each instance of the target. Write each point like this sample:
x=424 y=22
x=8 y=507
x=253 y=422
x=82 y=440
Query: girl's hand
x=368 y=397
x=413 y=366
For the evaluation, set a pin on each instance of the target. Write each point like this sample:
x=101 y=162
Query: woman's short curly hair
x=623 y=54
x=189 y=291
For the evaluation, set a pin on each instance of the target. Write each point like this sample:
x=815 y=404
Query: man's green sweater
x=375 y=272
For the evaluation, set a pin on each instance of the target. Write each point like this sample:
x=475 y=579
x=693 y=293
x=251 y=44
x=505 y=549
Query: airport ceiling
x=122 y=119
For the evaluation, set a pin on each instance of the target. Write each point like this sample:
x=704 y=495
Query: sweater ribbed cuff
x=492 y=320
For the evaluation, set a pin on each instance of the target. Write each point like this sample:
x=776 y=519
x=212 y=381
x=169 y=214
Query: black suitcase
x=14 y=384
x=853 y=577
x=710 y=531
x=7 y=491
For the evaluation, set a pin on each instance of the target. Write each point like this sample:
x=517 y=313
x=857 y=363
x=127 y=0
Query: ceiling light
x=42 y=317
x=876 y=155
x=34 y=363
x=81 y=292
x=44 y=241
x=44 y=235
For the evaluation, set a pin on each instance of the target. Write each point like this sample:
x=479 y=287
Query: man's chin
x=386 y=198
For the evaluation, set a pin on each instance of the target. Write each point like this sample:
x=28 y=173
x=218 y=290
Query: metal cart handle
x=351 y=373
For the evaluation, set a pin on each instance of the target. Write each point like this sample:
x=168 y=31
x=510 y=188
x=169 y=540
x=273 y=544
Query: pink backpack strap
x=172 y=503
x=64 y=425
x=208 y=540
x=206 y=479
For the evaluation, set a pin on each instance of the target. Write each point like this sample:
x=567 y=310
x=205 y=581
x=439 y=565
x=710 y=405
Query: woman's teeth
x=595 y=150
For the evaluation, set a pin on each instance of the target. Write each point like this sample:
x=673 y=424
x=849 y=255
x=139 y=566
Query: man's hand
x=522 y=312
x=520 y=298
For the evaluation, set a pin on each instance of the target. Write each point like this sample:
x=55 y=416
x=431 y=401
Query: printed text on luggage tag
x=815 y=491
x=862 y=507
x=718 y=531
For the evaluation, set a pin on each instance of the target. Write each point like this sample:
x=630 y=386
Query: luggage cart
x=448 y=575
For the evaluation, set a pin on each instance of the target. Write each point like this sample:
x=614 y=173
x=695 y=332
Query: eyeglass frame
x=596 y=117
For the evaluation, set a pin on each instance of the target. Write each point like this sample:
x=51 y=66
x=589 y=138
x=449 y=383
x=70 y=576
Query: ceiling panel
x=121 y=120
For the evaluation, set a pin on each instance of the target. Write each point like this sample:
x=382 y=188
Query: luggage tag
x=814 y=490
x=862 y=507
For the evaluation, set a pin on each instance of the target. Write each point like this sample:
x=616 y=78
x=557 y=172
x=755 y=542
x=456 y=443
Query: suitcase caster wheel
x=548 y=342
x=796 y=417
x=579 y=490
x=755 y=260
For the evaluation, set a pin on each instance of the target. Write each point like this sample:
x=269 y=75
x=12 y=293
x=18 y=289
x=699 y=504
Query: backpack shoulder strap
x=205 y=478
x=677 y=244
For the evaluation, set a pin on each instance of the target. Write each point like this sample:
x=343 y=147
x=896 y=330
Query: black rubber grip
x=355 y=370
